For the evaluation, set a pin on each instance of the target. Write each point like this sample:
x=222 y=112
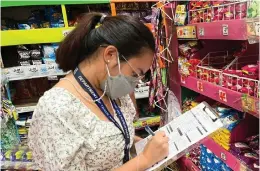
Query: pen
x=149 y=130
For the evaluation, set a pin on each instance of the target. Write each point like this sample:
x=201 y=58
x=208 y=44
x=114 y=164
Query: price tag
x=222 y=95
x=223 y=156
x=200 y=86
x=201 y=32
x=225 y=29
x=257 y=26
x=16 y=73
x=32 y=70
x=66 y=32
x=52 y=68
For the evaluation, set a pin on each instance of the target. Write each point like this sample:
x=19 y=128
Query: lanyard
x=85 y=84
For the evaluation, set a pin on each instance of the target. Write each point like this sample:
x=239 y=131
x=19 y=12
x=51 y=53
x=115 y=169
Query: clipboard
x=186 y=132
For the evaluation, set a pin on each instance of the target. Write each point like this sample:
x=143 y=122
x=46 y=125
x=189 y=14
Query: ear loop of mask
x=118 y=61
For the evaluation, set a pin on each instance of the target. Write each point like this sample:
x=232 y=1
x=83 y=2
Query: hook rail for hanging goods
x=230 y=11
x=236 y=78
x=211 y=66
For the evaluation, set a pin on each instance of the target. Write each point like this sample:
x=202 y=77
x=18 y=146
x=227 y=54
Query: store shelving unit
x=215 y=33
x=226 y=96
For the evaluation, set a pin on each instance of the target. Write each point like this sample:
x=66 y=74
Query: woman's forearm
x=139 y=163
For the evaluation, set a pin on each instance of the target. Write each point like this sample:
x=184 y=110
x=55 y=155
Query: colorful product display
x=49 y=17
x=210 y=162
x=210 y=11
x=247 y=151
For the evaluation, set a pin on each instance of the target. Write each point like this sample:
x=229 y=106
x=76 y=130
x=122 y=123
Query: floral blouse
x=66 y=136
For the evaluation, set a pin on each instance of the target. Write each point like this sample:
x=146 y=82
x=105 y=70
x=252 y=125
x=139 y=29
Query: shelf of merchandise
x=233 y=162
x=10 y=3
x=37 y=36
x=150 y=121
x=32 y=71
x=220 y=94
x=142 y=92
x=25 y=108
x=18 y=165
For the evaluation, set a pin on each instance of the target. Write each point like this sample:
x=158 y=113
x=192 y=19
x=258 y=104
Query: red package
x=247 y=90
x=217 y=3
x=228 y=16
x=240 y=15
x=240 y=7
x=250 y=69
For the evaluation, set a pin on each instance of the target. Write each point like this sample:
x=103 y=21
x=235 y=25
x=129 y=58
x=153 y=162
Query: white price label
x=257 y=26
x=33 y=69
x=201 y=32
x=52 y=68
x=225 y=29
x=18 y=70
x=66 y=32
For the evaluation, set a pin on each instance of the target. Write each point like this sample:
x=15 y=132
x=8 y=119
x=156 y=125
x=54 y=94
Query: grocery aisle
x=205 y=51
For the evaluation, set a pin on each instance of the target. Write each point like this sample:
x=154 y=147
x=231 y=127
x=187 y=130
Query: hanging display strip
x=233 y=162
x=33 y=71
x=151 y=121
x=226 y=96
x=253 y=26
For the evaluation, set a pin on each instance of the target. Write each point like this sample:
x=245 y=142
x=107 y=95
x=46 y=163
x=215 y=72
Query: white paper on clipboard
x=186 y=131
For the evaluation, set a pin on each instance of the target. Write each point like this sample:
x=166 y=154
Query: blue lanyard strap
x=85 y=84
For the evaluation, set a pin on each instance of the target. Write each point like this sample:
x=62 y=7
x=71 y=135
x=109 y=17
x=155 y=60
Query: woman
x=85 y=121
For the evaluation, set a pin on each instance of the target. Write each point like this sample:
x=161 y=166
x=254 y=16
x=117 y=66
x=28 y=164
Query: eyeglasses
x=139 y=77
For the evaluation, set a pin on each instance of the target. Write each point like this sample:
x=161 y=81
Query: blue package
x=24 y=26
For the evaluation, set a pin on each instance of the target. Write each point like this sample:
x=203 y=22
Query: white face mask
x=120 y=85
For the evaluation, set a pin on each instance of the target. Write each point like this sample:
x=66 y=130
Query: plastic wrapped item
x=240 y=148
x=180 y=15
x=48 y=51
x=35 y=52
x=23 y=53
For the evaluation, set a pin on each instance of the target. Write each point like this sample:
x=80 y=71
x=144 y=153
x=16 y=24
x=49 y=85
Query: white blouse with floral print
x=66 y=136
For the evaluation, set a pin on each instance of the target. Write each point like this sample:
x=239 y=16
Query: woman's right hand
x=156 y=149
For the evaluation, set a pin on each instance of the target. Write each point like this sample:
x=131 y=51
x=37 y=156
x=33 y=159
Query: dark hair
x=127 y=34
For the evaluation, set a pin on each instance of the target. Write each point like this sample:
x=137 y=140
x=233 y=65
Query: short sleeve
x=58 y=135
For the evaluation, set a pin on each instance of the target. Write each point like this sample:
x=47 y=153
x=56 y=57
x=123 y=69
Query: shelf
x=32 y=71
x=225 y=30
x=25 y=108
x=11 y=3
x=33 y=36
x=38 y=36
x=134 y=1
x=18 y=165
x=234 y=163
x=151 y=121
x=220 y=94
x=142 y=92
x=31 y=106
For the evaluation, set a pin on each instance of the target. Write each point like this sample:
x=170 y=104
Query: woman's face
x=136 y=66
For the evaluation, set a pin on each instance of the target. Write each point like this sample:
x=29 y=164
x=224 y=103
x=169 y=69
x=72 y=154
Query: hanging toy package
x=174 y=109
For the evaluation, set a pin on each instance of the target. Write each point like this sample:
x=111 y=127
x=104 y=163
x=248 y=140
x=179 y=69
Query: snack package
x=253 y=9
x=35 y=52
x=240 y=147
x=24 y=62
x=23 y=53
x=250 y=69
x=48 y=51
x=24 y=26
x=180 y=15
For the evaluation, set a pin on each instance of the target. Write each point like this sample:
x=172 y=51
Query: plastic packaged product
x=23 y=53
x=250 y=69
x=240 y=148
x=24 y=26
x=36 y=62
x=249 y=158
x=180 y=15
x=252 y=138
x=48 y=51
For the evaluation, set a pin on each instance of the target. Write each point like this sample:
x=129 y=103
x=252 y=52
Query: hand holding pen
x=157 y=148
